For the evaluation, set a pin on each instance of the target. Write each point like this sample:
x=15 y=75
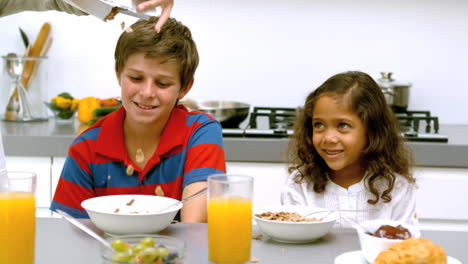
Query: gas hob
x=278 y=122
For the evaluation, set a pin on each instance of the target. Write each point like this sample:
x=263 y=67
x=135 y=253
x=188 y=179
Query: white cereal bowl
x=141 y=217
x=371 y=246
x=295 y=232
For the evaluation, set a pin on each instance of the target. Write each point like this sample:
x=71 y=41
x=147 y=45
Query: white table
x=58 y=242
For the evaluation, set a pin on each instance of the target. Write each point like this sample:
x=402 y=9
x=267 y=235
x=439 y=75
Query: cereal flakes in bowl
x=287 y=224
x=131 y=214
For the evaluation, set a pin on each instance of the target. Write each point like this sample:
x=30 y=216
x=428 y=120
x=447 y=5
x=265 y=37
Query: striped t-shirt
x=190 y=149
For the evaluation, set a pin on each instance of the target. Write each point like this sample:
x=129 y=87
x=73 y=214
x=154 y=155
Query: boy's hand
x=166 y=8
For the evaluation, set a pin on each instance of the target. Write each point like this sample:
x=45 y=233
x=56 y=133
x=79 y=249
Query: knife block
x=25 y=88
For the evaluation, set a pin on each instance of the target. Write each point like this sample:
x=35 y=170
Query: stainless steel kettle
x=396 y=93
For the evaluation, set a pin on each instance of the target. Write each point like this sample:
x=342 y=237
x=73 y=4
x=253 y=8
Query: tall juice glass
x=17 y=217
x=229 y=218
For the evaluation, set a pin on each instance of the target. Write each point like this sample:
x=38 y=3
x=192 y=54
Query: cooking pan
x=229 y=113
x=396 y=93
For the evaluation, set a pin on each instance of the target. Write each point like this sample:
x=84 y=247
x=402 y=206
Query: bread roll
x=413 y=251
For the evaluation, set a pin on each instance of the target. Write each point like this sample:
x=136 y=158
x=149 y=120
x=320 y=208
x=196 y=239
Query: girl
x=348 y=154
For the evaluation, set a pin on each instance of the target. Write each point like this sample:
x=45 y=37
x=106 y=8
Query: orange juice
x=18 y=224
x=229 y=229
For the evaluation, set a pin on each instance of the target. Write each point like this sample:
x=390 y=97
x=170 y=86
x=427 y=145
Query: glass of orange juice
x=17 y=217
x=229 y=218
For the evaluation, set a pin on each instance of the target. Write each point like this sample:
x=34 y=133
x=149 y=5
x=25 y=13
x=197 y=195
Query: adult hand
x=166 y=8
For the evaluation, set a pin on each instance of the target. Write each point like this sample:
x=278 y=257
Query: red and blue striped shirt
x=190 y=149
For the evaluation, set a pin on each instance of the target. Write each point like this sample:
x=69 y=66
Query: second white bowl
x=371 y=246
x=295 y=232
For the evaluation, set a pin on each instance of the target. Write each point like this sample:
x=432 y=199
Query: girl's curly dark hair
x=385 y=154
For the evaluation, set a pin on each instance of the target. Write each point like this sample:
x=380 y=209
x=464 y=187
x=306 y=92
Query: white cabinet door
x=39 y=165
x=442 y=197
x=57 y=165
x=268 y=179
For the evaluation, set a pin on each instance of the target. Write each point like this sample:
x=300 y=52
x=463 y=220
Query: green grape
x=137 y=248
x=119 y=245
x=121 y=256
x=147 y=241
x=162 y=252
x=147 y=255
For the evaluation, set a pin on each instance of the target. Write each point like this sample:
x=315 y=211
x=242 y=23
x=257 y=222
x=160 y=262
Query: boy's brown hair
x=385 y=153
x=174 y=41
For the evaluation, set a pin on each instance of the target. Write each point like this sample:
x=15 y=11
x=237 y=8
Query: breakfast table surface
x=59 y=242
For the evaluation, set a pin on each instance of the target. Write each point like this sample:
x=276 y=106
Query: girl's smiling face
x=150 y=88
x=339 y=135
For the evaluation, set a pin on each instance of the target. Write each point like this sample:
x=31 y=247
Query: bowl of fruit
x=145 y=248
x=63 y=106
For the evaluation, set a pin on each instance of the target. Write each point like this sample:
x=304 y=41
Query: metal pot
x=396 y=93
x=229 y=113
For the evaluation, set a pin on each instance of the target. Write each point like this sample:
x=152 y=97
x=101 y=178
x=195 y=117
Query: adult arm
x=8 y=7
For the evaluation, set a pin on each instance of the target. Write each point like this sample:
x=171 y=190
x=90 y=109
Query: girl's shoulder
x=296 y=178
x=293 y=176
x=402 y=181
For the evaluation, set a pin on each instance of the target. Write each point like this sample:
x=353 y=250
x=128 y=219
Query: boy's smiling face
x=150 y=89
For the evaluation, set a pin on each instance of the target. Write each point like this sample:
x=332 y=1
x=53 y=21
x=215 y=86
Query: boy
x=150 y=145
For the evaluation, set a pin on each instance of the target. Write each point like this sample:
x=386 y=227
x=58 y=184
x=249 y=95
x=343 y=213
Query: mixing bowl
x=229 y=113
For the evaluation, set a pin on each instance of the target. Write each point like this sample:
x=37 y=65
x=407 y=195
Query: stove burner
x=279 y=118
x=278 y=122
x=409 y=122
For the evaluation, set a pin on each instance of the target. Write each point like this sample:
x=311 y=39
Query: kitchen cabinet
x=441 y=197
x=56 y=169
x=441 y=202
x=441 y=191
x=268 y=179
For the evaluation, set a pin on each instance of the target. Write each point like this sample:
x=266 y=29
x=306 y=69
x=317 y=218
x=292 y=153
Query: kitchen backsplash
x=272 y=53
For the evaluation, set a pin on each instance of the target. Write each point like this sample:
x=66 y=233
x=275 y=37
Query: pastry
x=413 y=251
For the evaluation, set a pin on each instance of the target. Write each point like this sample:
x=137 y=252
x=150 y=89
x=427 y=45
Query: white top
x=402 y=207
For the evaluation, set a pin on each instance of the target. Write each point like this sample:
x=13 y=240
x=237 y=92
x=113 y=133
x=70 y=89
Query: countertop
x=59 y=242
x=52 y=138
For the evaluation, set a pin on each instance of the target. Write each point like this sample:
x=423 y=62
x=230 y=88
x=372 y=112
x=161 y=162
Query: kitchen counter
x=52 y=138
x=59 y=242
